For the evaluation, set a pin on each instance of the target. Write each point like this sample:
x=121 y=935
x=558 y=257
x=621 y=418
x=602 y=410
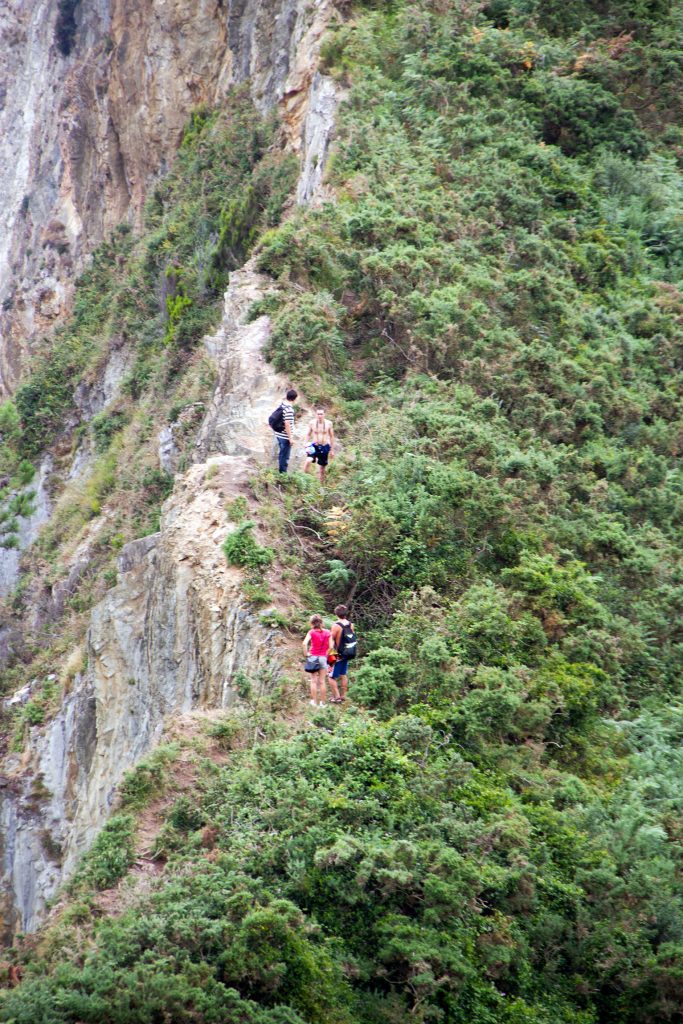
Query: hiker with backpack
x=343 y=646
x=316 y=645
x=281 y=422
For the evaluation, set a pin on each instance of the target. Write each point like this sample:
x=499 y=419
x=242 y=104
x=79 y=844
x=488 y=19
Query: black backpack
x=348 y=642
x=277 y=420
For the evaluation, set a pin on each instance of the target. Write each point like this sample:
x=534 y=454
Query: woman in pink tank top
x=316 y=645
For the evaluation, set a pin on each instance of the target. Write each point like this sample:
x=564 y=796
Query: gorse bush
x=307 y=334
x=487 y=271
x=147 y=779
x=502 y=238
x=110 y=856
x=370 y=871
x=242 y=550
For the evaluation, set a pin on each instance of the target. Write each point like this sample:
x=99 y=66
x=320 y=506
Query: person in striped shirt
x=285 y=436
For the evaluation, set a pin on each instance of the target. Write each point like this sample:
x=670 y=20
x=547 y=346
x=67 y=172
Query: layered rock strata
x=84 y=133
x=175 y=630
x=169 y=637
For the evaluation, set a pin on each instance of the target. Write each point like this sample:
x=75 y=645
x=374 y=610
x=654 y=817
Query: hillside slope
x=491 y=310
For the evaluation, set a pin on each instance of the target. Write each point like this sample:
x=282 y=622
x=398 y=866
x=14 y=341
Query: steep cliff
x=170 y=636
x=488 y=829
x=88 y=119
x=175 y=630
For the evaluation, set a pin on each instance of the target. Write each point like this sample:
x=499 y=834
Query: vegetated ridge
x=491 y=310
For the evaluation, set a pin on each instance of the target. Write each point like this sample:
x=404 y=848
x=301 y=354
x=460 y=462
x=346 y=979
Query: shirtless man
x=320 y=438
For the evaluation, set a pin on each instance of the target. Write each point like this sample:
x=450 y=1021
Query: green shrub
x=273 y=619
x=19 y=506
x=185 y=816
x=226 y=732
x=256 y=593
x=110 y=856
x=241 y=549
x=338 y=576
x=10 y=422
x=306 y=335
x=104 y=425
x=580 y=116
x=34 y=713
x=376 y=685
x=24 y=473
x=147 y=778
x=237 y=509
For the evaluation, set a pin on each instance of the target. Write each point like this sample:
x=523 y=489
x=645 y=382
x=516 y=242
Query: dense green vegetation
x=492 y=310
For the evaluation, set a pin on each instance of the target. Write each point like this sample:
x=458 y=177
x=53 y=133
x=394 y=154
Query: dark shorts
x=322 y=454
x=340 y=669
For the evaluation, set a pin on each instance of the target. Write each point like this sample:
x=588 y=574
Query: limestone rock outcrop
x=83 y=133
x=169 y=637
x=86 y=127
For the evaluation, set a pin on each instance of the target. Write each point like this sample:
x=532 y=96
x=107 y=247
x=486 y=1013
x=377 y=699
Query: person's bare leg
x=343 y=685
x=314 y=686
x=333 y=685
x=322 y=686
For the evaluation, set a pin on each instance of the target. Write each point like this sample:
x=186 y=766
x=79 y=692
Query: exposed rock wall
x=175 y=630
x=169 y=637
x=28 y=526
x=82 y=136
x=40 y=226
x=316 y=136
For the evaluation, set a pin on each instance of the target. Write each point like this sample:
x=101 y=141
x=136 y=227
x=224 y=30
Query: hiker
x=319 y=443
x=316 y=645
x=282 y=423
x=343 y=644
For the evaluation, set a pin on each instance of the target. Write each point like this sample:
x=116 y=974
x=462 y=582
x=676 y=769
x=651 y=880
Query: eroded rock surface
x=169 y=637
x=175 y=631
x=84 y=134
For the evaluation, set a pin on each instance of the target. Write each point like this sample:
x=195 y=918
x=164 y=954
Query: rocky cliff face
x=88 y=122
x=169 y=637
x=29 y=526
x=175 y=630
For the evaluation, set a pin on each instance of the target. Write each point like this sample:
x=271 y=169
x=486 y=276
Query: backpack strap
x=342 y=626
